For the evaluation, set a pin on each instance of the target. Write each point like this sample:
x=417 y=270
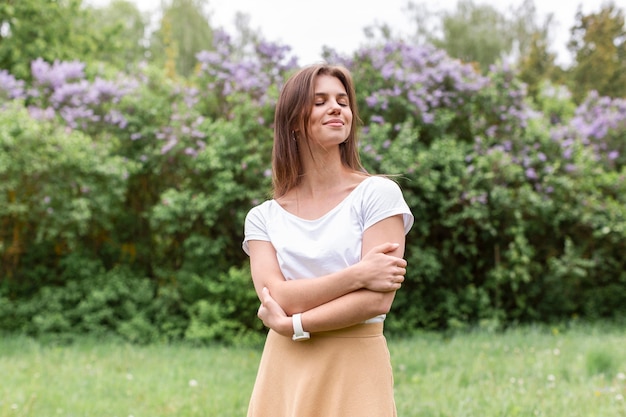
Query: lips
x=334 y=122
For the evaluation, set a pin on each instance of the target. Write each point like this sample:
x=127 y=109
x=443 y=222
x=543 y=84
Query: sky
x=309 y=25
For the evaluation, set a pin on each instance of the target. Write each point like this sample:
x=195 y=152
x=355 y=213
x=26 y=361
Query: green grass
x=531 y=371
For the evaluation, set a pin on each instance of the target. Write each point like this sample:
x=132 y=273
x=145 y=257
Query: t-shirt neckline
x=329 y=212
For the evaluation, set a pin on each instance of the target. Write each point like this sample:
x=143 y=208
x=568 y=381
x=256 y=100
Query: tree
x=123 y=18
x=475 y=33
x=598 y=43
x=537 y=65
x=479 y=33
x=48 y=29
x=184 y=31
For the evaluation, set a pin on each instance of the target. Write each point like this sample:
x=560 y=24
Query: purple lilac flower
x=531 y=174
x=70 y=94
x=378 y=119
x=13 y=88
x=372 y=100
x=58 y=73
x=423 y=75
x=253 y=75
x=598 y=124
x=74 y=115
x=116 y=118
x=109 y=91
x=428 y=118
x=168 y=146
x=41 y=114
x=567 y=153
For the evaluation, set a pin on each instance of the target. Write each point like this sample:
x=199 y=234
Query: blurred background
x=135 y=137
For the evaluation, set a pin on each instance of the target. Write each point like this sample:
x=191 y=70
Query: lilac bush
x=10 y=88
x=399 y=81
x=599 y=124
x=498 y=186
x=513 y=205
x=62 y=88
x=225 y=77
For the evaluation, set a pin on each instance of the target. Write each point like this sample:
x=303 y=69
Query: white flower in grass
x=551 y=378
x=556 y=352
x=621 y=376
x=193 y=383
x=619 y=397
x=13 y=406
x=129 y=377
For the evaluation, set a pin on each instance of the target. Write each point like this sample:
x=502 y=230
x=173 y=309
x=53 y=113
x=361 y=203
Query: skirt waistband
x=358 y=330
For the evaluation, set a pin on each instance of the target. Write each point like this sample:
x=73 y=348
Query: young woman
x=326 y=259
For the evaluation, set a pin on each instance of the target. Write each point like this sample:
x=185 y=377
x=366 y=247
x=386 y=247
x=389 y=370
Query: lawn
x=569 y=371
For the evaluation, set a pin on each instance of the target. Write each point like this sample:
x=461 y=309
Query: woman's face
x=331 y=115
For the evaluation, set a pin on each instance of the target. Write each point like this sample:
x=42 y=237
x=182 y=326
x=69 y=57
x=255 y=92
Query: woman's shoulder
x=379 y=183
x=262 y=209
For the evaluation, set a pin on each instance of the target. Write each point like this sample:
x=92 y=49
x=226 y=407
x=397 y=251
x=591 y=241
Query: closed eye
x=341 y=103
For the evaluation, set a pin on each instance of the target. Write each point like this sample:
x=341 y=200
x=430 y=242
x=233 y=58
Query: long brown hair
x=292 y=115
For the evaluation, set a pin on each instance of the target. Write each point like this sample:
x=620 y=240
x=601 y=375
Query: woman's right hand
x=272 y=314
x=380 y=271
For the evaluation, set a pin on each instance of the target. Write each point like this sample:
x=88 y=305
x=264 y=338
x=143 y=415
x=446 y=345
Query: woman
x=326 y=259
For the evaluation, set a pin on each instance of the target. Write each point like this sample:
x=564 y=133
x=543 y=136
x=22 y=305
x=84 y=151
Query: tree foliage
x=475 y=33
x=123 y=194
x=598 y=43
x=51 y=30
x=127 y=25
x=183 y=32
x=479 y=33
x=537 y=65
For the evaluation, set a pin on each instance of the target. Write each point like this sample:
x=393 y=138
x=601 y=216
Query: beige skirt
x=341 y=373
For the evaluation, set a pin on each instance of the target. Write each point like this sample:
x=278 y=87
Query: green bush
x=60 y=191
x=122 y=203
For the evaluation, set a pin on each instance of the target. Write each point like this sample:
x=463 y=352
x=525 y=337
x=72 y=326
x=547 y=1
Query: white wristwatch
x=298 y=332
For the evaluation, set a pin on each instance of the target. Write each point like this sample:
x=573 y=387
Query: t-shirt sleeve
x=382 y=199
x=255 y=227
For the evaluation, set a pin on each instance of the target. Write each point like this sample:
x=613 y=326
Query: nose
x=334 y=107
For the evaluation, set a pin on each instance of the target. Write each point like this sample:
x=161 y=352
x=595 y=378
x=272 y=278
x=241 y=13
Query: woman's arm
x=379 y=270
x=348 y=309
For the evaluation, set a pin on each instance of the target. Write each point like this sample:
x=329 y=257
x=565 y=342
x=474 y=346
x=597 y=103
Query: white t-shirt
x=313 y=248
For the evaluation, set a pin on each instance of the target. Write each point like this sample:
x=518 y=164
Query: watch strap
x=298 y=332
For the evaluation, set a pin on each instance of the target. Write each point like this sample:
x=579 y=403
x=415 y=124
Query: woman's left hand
x=273 y=315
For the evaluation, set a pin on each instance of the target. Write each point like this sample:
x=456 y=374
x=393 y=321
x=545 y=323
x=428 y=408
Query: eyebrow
x=327 y=94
